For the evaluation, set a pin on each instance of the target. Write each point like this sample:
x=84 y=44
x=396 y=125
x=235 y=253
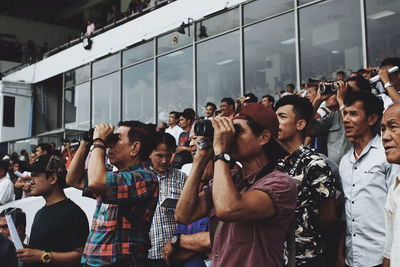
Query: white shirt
x=6 y=190
x=175 y=132
x=90 y=29
x=392 y=218
x=366 y=183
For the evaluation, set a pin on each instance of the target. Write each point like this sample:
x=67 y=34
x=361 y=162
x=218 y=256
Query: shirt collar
x=162 y=176
x=133 y=168
x=252 y=178
x=375 y=142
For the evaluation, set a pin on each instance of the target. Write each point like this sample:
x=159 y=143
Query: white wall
x=157 y=22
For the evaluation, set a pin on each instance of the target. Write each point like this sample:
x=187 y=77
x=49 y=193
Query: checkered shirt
x=164 y=225
x=132 y=194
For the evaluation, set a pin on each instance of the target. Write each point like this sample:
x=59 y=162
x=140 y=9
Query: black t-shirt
x=60 y=227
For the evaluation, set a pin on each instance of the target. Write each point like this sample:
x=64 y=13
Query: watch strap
x=388 y=84
x=222 y=157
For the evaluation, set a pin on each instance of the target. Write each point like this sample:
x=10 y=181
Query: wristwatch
x=224 y=156
x=388 y=84
x=175 y=240
x=46 y=257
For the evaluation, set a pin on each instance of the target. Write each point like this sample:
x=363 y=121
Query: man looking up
x=174 y=128
x=126 y=199
x=366 y=178
x=315 y=209
x=256 y=203
x=227 y=107
x=391 y=142
x=60 y=228
x=171 y=182
x=210 y=110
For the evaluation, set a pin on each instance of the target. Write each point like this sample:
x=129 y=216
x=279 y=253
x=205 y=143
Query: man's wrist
x=46 y=257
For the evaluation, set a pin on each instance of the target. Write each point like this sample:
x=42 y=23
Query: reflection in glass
x=218 y=69
x=330 y=38
x=265 y=8
x=72 y=77
x=174 y=40
x=175 y=82
x=77 y=107
x=218 y=24
x=106 y=99
x=138 y=53
x=105 y=65
x=270 y=63
x=138 y=93
x=383 y=31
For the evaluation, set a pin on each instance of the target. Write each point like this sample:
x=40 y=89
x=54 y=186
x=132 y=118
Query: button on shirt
x=392 y=219
x=366 y=183
x=164 y=224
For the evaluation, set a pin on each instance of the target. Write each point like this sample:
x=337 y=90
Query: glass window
x=81 y=74
x=330 y=38
x=9 y=111
x=218 y=24
x=106 y=65
x=218 y=69
x=265 y=8
x=138 y=93
x=383 y=33
x=106 y=99
x=77 y=107
x=175 y=40
x=270 y=63
x=175 y=82
x=302 y=2
x=138 y=53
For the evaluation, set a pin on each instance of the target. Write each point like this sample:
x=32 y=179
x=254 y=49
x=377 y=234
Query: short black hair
x=175 y=113
x=165 y=138
x=290 y=85
x=270 y=98
x=45 y=147
x=19 y=217
x=252 y=98
x=361 y=83
x=394 y=61
x=361 y=71
x=302 y=107
x=191 y=112
x=187 y=116
x=4 y=165
x=371 y=103
x=228 y=100
x=340 y=72
x=51 y=165
x=211 y=104
x=143 y=133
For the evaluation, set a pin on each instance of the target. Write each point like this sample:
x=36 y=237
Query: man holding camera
x=391 y=82
x=126 y=199
x=251 y=208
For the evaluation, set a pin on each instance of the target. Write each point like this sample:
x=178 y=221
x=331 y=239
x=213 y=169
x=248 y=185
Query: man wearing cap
x=60 y=228
x=316 y=185
x=251 y=208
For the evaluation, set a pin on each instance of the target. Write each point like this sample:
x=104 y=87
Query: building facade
x=144 y=69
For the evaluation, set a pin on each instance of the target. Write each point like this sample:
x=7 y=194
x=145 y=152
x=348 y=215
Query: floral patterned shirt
x=315 y=183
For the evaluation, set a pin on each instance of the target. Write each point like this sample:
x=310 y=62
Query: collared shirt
x=121 y=222
x=175 y=132
x=366 y=183
x=337 y=143
x=392 y=219
x=256 y=243
x=164 y=224
x=315 y=183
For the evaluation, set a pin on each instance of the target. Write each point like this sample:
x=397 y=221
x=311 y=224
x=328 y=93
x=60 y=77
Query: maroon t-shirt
x=257 y=243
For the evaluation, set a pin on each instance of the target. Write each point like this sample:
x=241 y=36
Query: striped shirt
x=164 y=225
x=121 y=222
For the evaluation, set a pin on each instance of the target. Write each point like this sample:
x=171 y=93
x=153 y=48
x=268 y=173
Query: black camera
x=111 y=140
x=328 y=88
x=203 y=128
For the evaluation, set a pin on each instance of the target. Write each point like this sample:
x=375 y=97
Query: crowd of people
x=308 y=180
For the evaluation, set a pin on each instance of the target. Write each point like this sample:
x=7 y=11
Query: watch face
x=174 y=239
x=46 y=257
x=227 y=157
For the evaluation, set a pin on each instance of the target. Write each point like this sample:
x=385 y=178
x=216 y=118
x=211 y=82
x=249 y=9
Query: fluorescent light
x=335 y=52
x=225 y=62
x=175 y=53
x=289 y=41
x=382 y=14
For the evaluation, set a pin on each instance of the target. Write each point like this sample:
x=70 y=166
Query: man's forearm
x=70 y=258
x=76 y=169
x=199 y=242
x=97 y=171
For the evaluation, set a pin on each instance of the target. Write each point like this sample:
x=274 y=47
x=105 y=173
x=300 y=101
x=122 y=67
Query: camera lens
x=204 y=128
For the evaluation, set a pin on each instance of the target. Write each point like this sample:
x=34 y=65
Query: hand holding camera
x=103 y=131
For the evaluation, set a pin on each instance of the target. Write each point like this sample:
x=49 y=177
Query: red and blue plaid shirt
x=122 y=219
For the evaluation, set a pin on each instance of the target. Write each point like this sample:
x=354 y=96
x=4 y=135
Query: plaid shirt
x=164 y=225
x=113 y=237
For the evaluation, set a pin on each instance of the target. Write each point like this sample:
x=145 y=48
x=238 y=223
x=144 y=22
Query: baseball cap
x=266 y=118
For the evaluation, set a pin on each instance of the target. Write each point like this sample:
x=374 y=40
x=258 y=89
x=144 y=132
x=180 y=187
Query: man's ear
x=301 y=125
x=135 y=148
x=265 y=137
x=53 y=179
x=372 y=119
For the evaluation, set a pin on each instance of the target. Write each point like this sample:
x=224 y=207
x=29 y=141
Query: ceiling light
x=382 y=14
x=225 y=62
x=335 y=52
x=289 y=41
